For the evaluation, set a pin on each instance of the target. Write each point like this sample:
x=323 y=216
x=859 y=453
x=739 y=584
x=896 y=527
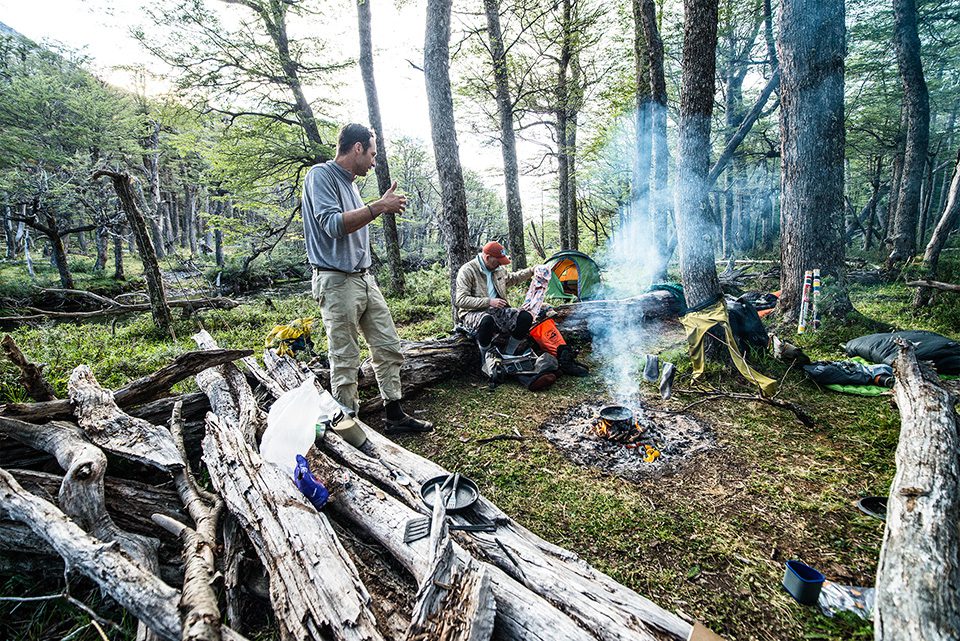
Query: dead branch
x=31 y=375
x=139 y=391
x=933 y=284
x=801 y=415
x=200 y=614
x=192 y=305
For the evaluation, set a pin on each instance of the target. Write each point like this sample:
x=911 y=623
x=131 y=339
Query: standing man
x=335 y=229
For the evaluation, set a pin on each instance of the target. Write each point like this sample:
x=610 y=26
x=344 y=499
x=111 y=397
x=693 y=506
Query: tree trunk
x=118 y=254
x=643 y=161
x=390 y=236
x=573 y=227
x=874 y=202
x=151 y=166
x=103 y=247
x=811 y=50
x=695 y=231
x=941 y=234
x=436 y=68
x=151 y=268
x=508 y=142
x=661 y=197
x=916 y=101
x=918 y=574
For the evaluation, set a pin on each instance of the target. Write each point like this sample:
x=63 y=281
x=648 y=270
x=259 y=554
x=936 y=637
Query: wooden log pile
x=187 y=560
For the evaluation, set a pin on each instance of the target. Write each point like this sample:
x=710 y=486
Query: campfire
x=620 y=424
x=631 y=440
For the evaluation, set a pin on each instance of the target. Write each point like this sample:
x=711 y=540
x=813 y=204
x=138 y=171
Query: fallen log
x=113 y=430
x=589 y=597
x=918 y=575
x=129 y=503
x=134 y=393
x=934 y=284
x=31 y=375
x=314 y=587
x=454 y=601
x=81 y=494
x=427 y=362
x=520 y=614
x=200 y=613
x=140 y=592
x=192 y=305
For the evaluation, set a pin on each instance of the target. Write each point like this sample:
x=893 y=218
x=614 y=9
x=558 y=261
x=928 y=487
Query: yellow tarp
x=698 y=324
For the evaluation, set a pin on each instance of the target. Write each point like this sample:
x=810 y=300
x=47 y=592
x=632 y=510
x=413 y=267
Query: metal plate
x=467 y=493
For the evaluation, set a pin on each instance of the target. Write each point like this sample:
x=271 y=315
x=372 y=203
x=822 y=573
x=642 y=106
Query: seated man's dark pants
x=488 y=328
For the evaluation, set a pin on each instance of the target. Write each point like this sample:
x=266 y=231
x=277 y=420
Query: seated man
x=482 y=305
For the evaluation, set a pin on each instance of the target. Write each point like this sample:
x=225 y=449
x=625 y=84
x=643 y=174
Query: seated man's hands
x=498 y=303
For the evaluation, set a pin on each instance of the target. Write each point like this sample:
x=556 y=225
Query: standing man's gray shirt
x=328 y=191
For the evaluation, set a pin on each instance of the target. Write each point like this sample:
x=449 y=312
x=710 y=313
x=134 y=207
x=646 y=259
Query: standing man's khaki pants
x=350 y=304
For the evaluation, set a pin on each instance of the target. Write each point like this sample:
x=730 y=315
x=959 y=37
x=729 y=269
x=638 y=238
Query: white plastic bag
x=291 y=426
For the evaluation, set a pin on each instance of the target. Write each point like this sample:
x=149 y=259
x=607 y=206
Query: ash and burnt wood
x=142 y=390
x=115 y=431
x=314 y=587
x=31 y=374
x=918 y=575
x=590 y=598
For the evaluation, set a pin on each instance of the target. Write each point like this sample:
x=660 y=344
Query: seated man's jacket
x=472 y=285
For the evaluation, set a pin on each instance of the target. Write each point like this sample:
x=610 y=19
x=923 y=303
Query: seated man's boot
x=565 y=355
x=399 y=422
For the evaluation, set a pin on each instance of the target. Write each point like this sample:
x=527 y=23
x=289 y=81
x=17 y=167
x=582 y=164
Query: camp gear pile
x=930 y=346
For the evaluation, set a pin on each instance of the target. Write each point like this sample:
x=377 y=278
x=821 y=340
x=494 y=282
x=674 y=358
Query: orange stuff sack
x=547 y=336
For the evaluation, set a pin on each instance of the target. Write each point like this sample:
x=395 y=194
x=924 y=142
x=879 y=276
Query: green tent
x=574 y=276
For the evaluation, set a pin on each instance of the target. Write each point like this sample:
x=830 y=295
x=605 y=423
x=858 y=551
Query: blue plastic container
x=803 y=582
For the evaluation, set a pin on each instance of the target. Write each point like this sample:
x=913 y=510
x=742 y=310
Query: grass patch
x=709 y=540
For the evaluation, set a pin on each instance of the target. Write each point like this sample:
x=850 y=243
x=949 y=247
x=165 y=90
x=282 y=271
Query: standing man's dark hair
x=352 y=134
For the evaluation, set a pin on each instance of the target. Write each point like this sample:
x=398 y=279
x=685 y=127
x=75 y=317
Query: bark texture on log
x=454 y=601
x=113 y=430
x=229 y=393
x=81 y=494
x=918 y=576
x=314 y=586
x=198 y=601
x=147 y=597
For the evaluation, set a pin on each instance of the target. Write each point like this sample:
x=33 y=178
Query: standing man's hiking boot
x=569 y=366
x=399 y=422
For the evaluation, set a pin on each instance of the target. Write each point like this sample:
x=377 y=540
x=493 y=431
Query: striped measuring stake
x=805 y=304
x=816 y=300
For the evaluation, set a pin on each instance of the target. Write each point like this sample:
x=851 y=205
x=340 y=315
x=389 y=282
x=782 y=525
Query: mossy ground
x=709 y=540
